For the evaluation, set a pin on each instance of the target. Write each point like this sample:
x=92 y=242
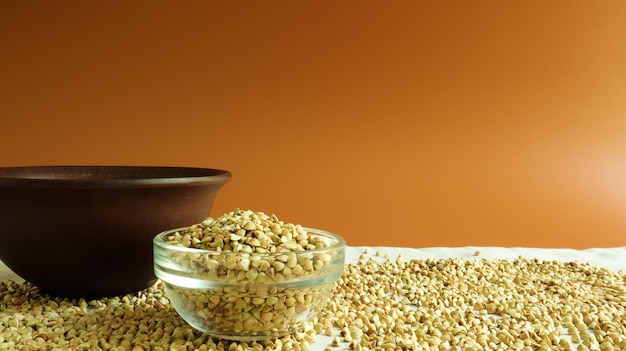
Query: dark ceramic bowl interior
x=86 y=231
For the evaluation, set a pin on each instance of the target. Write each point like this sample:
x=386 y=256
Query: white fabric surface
x=610 y=258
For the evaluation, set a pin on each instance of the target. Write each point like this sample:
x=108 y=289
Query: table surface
x=610 y=258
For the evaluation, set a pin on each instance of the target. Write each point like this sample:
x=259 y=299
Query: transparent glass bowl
x=249 y=296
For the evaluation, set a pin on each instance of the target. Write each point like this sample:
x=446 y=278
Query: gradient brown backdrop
x=401 y=123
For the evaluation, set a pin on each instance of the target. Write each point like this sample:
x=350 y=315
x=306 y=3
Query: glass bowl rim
x=339 y=243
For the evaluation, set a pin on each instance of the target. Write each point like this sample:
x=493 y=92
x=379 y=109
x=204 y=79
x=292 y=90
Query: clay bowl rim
x=109 y=176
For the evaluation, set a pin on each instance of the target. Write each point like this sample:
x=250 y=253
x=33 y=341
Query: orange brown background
x=397 y=123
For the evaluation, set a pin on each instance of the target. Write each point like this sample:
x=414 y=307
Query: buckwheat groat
x=379 y=304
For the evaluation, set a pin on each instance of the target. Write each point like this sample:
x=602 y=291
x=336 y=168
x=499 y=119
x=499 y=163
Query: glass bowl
x=249 y=296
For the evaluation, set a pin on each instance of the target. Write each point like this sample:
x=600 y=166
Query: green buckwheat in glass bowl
x=248 y=275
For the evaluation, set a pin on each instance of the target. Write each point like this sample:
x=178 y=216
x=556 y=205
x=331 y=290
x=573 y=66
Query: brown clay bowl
x=86 y=231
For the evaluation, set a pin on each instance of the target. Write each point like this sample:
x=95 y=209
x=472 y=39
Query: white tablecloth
x=610 y=258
